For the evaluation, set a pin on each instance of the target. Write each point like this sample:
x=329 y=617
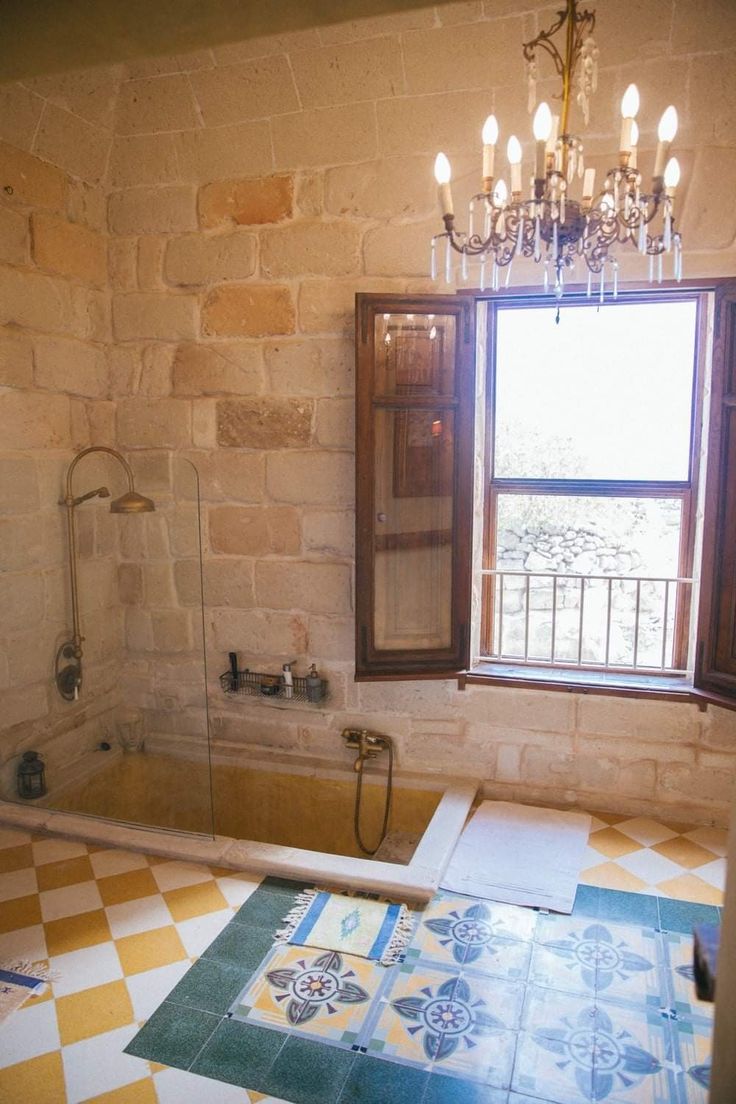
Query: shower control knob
x=380 y=517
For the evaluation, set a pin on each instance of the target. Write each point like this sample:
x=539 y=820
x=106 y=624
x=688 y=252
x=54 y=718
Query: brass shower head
x=132 y=503
x=129 y=503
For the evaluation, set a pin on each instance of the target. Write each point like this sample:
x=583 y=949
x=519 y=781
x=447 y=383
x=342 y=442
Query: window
x=593 y=442
x=590 y=491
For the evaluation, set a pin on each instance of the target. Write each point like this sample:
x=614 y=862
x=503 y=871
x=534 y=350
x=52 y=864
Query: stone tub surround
x=244 y=194
x=418 y=880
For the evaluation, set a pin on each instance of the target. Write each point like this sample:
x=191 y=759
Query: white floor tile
x=18 y=883
x=650 y=866
x=197 y=934
x=11 y=837
x=54 y=850
x=592 y=857
x=645 y=831
x=85 y=968
x=30 y=1031
x=149 y=989
x=106 y=863
x=132 y=917
x=714 y=873
x=69 y=900
x=98 y=1065
x=28 y=943
x=174 y=875
x=235 y=890
x=175 y=1086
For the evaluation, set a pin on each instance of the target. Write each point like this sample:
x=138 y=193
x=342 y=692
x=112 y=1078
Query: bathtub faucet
x=367 y=744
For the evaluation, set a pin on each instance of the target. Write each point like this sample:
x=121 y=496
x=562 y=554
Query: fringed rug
x=18 y=981
x=348 y=925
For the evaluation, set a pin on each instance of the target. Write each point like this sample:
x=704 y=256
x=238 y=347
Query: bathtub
x=289 y=801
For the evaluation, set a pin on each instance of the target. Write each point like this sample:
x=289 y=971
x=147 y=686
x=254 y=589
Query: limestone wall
x=54 y=399
x=252 y=189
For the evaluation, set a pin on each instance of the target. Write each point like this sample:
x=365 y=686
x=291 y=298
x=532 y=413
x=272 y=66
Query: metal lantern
x=31 y=775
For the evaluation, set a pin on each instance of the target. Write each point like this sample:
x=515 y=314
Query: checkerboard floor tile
x=670 y=859
x=121 y=931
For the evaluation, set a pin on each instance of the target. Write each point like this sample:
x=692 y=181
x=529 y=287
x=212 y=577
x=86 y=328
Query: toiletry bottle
x=288 y=680
x=314 y=685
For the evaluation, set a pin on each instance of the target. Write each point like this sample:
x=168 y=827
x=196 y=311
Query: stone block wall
x=251 y=190
x=55 y=135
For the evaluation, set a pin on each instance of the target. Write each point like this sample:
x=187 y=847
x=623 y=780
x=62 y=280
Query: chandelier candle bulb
x=443 y=174
x=513 y=152
x=629 y=108
x=671 y=177
x=634 y=144
x=489 y=135
x=588 y=185
x=552 y=136
x=666 y=132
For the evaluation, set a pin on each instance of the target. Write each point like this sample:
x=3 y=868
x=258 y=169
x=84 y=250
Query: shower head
x=131 y=503
x=101 y=492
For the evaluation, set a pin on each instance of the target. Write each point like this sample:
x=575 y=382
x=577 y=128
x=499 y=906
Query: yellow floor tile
x=140 y=1092
x=611 y=876
x=194 y=900
x=715 y=839
x=150 y=949
x=607 y=818
x=20 y=912
x=71 y=933
x=130 y=886
x=65 y=873
x=689 y=887
x=93 y=1011
x=612 y=843
x=16 y=858
x=40 y=1080
x=684 y=852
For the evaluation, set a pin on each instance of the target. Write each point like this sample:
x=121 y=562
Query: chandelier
x=551 y=225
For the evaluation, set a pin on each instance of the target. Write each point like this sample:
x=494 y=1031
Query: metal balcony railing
x=601 y=622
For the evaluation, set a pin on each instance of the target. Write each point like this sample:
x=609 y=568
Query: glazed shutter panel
x=716 y=657
x=414 y=465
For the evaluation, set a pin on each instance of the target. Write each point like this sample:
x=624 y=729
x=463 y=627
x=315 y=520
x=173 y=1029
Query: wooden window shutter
x=414 y=484
x=715 y=669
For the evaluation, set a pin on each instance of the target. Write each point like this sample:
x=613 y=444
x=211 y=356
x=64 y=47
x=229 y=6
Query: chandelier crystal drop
x=563 y=219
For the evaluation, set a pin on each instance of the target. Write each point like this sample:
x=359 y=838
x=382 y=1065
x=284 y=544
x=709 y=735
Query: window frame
x=716 y=587
x=684 y=490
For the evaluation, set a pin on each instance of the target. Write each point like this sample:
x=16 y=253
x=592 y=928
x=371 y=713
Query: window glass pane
x=413 y=529
x=415 y=354
x=584 y=580
x=604 y=394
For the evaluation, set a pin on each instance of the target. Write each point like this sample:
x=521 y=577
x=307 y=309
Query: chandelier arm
x=542 y=39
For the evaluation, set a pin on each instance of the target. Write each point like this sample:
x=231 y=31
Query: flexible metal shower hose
x=387 y=806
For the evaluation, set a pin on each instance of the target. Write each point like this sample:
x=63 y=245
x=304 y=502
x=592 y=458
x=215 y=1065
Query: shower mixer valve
x=367 y=744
